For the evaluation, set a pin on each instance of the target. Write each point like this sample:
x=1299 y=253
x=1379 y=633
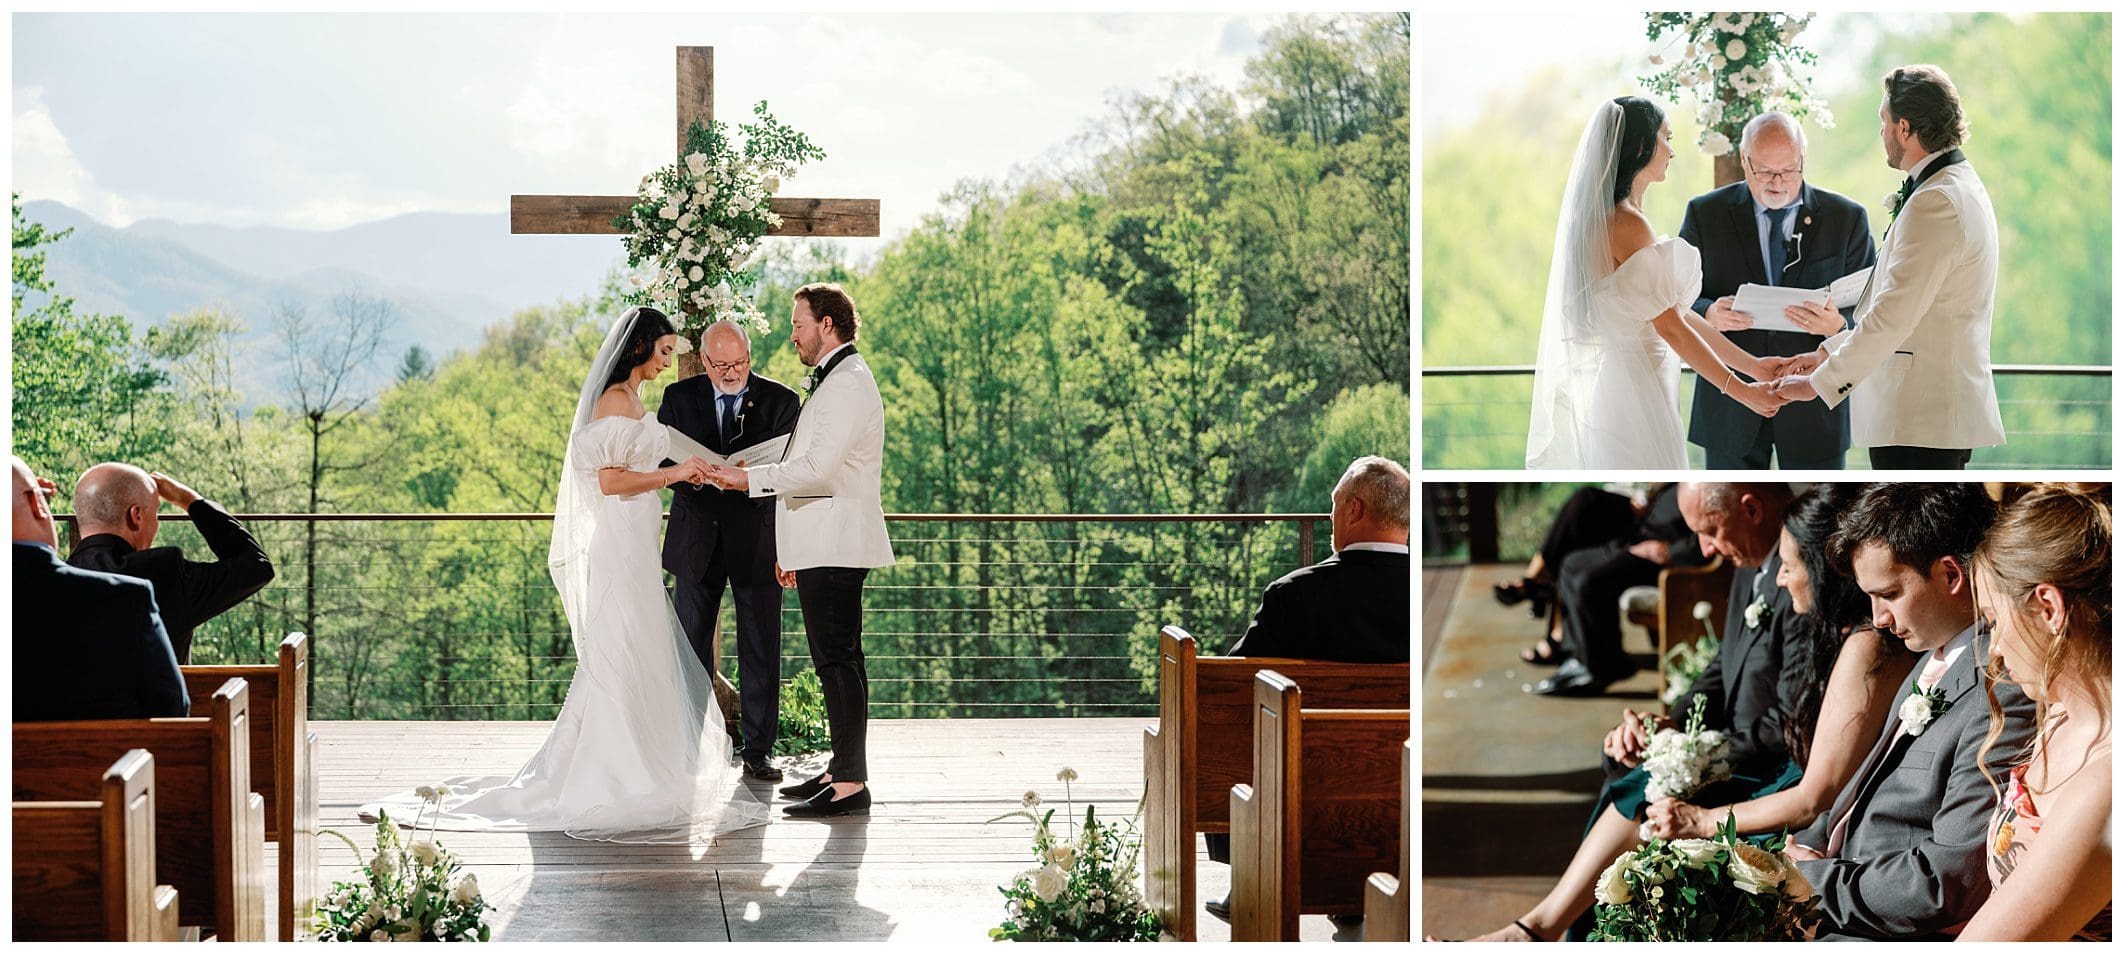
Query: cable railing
x=2057 y=417
x=453 y=616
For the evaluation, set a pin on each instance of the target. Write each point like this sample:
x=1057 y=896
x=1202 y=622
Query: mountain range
x=447 y=275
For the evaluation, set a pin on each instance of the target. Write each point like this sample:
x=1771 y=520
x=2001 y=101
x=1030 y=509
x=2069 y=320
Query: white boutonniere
x=1921 y=708
x=810 y=382
x=1753 y=615
x=1893 y=202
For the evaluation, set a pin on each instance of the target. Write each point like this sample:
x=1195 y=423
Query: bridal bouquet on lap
x=1697 y=889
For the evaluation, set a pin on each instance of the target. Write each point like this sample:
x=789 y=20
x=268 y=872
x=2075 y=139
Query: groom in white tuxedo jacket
x=829 y=531
x=1919 y=354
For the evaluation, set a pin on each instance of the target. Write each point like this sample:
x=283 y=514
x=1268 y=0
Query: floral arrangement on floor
x=693 y=234
x=1738 y=66
x=1680 y=762
x=1697 y=889
x=1684 y=662
x=408 y=892
x=1084 y=888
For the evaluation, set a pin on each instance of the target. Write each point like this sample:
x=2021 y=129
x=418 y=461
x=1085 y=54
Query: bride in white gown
x=1606 y=380
x=638 y=753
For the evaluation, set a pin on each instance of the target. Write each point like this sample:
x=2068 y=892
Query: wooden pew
x=283 y=767
x=209 y=824
x=1680 y=589
x=1202 y=746
x=85 y=870
x=1386 y=896
x=1322 y=812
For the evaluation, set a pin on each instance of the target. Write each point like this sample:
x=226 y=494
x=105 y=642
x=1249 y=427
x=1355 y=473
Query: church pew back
x=283 y=766
x=85 y=870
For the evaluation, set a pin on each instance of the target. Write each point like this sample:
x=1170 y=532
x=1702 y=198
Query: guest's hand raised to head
x=169 y=489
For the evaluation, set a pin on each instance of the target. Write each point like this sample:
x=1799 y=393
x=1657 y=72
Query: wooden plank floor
x=923 y=866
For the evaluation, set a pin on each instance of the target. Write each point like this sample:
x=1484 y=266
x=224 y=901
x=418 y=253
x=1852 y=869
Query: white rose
x=1050 y=882
x=1718 y=62
x=1098 y=907
x=425 y=854
x=1697 y=852
x=686 y=221
x=1736 y=49
x=1916 y=713
x=1702 y=610
x=668 y=212
x=1612 y=888
x=696 y=163
x=1754 y=870
x=380 y=935
x=1062 y=855
x=770 y=183
x=1796 y=886
x=1716 y=144
x=1656 y=60
x=385 y=864
x=694 y=273
x=466 y=890
x=680 y=282
x=701 y=198
x=675 y=234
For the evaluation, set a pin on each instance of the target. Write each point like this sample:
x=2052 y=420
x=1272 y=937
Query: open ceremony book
x=1766 y=303
x=765 y=452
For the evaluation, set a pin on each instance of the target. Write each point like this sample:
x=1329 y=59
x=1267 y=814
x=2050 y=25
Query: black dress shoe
x=803 y=791
x=1221 y=907
x=824 y=805
x=1574 y=679
x=757 y=766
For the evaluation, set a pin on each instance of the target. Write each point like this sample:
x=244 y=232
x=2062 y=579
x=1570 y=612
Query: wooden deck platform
x=922 y=866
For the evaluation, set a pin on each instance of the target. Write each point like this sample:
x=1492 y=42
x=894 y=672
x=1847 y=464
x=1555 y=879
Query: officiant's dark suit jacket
x=1350 y=607
x=1833 y=242
x=89 y=645
x=188 y=592
x=1912 y=862
x=700 y=519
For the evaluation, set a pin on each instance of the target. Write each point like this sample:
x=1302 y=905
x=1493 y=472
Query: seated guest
x=2043 y=585
x=1900 y=854
x=1586 y=637
x=1590 y=517
x=88 y=645
x=1850 y=677
x=118 y=506
x=1352 y=606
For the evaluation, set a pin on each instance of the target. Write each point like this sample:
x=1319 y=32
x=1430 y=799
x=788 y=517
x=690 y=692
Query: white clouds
x=46 y=167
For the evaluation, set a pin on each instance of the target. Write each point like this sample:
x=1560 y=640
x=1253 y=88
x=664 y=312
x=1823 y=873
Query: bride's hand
x=1760 y=397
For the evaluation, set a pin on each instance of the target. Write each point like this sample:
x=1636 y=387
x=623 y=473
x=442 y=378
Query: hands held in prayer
x=728 y=477
x=1817 y=317
x=1672 y=818
x=1626 y=742
x=169 y=489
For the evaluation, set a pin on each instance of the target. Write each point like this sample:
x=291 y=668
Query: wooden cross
x=593 y=214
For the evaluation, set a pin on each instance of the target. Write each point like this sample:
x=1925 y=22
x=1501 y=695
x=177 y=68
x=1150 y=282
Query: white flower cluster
x=1747 y=867
x=408 y=891
x=1733 y=76
x=1680 y=762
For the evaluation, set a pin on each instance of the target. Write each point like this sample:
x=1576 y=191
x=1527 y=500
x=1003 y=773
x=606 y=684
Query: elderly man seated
x=118 y=506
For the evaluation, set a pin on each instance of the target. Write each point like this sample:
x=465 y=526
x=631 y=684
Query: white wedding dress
x=638 y=753
x=1606 y=386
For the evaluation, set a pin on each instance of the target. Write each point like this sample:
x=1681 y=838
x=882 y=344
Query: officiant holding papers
x=721 y=538
x=1772 y=228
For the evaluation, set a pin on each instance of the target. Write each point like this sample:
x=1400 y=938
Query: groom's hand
x=787 y=578
x=1724 y=318
x=1796 y=387
x=728 y=478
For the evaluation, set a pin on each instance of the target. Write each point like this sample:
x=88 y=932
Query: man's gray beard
x=718 y=385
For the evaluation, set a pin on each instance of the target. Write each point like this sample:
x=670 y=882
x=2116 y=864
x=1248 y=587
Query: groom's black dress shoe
x=803 y=791
x=757 y=766
x=824 y=805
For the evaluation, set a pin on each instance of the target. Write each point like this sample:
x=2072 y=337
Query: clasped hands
x=1779 y=381
x=699 y=472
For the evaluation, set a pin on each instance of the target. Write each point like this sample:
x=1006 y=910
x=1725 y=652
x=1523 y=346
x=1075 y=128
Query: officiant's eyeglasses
x=728 y=366
x=1775 y=176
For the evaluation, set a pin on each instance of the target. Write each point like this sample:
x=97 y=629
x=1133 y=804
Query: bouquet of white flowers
x=1695 y=889
x=1681 y=762
x=408 y=892
x=1687 y=661
x=1084 y=888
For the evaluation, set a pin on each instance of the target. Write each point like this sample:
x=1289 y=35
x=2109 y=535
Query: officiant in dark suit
x=720 y=538
x=1772 y=228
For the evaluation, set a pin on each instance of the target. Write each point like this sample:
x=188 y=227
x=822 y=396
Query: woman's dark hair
x=1640 y=138
x=1839 y=604
x=649 y=326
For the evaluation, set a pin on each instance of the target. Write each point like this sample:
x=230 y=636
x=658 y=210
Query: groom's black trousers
x=832 y=598
x=1918 y=458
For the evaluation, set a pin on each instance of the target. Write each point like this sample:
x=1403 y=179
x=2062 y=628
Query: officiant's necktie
x=1935 y=669
x=1777 y=244
x=729 y=422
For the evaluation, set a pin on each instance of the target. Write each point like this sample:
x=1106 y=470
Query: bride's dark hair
x=1640 y=137
x=1838 y=604
x=649 y=326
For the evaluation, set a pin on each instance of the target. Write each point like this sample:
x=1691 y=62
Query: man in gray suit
x=1900 y=855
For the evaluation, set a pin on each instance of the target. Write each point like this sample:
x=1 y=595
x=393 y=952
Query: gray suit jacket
x=1740 y=684
x=1912 y=863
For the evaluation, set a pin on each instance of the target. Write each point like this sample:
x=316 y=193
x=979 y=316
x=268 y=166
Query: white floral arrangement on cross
x=1737 y=66
x=1084 y=888
x=407 y=892
x=1704 y=889
x=693 y=235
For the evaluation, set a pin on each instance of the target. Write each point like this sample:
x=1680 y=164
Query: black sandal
x=1554 y=657
x=1531 y=936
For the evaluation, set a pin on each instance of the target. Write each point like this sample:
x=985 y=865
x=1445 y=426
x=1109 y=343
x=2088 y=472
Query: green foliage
x=1083 y=887
x=801 y=729
x=1692 y=890
x=2036 y=92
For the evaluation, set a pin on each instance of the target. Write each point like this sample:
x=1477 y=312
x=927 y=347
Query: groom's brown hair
x=1925 y=97
x=828 y=302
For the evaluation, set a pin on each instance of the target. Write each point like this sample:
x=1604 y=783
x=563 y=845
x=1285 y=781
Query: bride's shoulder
x=1629 y=232
x=615 y=402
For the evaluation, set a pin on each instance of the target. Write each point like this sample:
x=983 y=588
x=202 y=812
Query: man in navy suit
x=722 y=537
x=88 y=645
x=1772 y=228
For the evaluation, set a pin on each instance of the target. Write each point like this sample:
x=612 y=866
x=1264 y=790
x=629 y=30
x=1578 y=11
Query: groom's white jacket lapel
x=1917 y=361
x=828 y=507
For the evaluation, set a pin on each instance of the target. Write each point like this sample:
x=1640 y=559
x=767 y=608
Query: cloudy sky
x=326 y=120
